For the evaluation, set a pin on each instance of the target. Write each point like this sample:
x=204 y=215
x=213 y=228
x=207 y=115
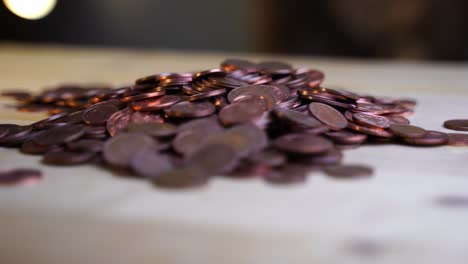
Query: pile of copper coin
x=243 y=119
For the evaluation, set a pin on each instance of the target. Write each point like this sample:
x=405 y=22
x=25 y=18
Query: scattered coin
x=349 y=171
x=457 y=124
x=20 y=177
x=453 y=201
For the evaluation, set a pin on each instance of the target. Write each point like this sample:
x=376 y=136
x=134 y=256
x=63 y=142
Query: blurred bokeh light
x=30 y=9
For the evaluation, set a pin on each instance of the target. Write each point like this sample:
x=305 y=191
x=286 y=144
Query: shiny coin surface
x=99 y=114
x=372 y=120
x=155 y=104
x=328 y=115
x=431 y=138
x=407 y=131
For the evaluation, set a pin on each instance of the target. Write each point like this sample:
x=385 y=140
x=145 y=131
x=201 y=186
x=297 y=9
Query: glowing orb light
x=30 y=9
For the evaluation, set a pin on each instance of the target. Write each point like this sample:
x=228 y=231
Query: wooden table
x=87 y=215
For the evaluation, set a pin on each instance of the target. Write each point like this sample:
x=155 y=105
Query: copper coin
x=95 y=130
x=269 y=157
x=398 y=119
x=119 y=150
x=281 y=92
x=349 y=171
x=5 y=129
x=431 y=138
x=71 y=118
x=371 y=108
x=60 y=135
x=86 y=145
x=230 y=65
x=326 y=100
x=98 y=114
x=328 y=115
x=266 y=92
x=40 y=124
x=225 y=82
x=453 y=201
x=15 y=136
x=316 y=77
x=346 y=137
x=186 y=142
x=208 y=123
x=372 y=120
x=341 y=94
x=244 y=138
x=457 y=139
x=377 y=132
x=155 y=104
x=139 y=97
x=190 y=110
x=275 y=67
x=145 y=117
x=288 y=174
x=181 y=178
x=303 y=143
x=153 y=129
x=213 y=159
x=63 y=157
x=118 y=121
x=31 y=147
x=296 y=118
x=149 y=163
x=457 y=124
x=206 y=95
x=407 y=131
x=331 y=157
x=20 y=177
x=241 y=112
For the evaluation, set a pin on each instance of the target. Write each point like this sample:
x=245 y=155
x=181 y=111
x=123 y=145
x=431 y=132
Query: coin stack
x=243 y=119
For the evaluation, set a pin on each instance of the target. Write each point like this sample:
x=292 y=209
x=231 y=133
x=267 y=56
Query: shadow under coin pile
x=243 y=119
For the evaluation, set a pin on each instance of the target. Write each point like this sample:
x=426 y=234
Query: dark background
x=410 y=29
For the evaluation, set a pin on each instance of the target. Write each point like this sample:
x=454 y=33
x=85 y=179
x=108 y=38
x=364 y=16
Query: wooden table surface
x=87 y=215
